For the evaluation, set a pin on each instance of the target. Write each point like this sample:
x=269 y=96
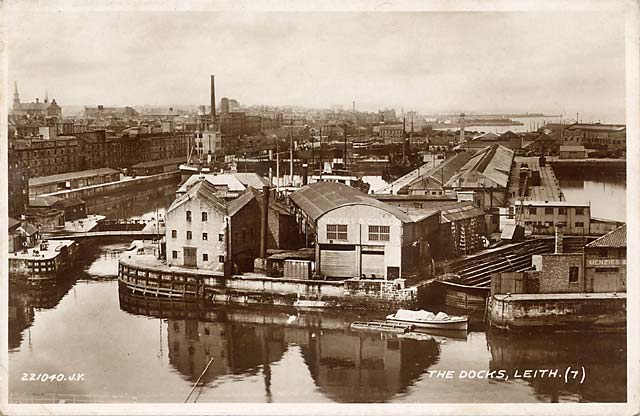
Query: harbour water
x=132 y=350
x=151 y=351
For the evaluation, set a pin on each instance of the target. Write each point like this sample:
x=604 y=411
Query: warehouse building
x=356 y=235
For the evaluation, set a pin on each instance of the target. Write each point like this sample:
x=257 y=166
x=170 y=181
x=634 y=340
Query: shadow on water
x=346 y=366
x=95 y=262
x=603 y=356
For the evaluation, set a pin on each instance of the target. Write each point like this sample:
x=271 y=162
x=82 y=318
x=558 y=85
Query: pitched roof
x=241 y=201
x=162 y=162
x=204 y=191
x=492 y=162
x=319 y=198
x=69 y=202
x=28 y=229
x=251 y=179
x=13 y=223
x=462 y=211
x=41 y=180
x=489 y=136
x=225 y=179
x=43 y=201
x=615 y=238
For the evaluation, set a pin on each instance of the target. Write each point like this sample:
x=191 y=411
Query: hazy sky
x=529 y=61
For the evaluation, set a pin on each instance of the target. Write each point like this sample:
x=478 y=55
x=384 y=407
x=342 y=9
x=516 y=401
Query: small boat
x=309 y=304
x=382 y=326
x=425 y=319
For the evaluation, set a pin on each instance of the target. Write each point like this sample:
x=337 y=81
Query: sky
x=552 y=62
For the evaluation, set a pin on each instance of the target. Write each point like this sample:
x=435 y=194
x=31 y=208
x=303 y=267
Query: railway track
x=475 y=271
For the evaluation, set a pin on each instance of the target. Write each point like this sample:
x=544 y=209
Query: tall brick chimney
x=559 y=238
x=213 y=101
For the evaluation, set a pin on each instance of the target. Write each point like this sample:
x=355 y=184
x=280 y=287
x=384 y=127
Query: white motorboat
x=424 y=319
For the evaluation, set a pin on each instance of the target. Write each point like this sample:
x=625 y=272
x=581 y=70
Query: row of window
x=205 y=256
x=204 y=216
x=577 y=224
x=340 y=232
x=205 y=236
x=549 y=211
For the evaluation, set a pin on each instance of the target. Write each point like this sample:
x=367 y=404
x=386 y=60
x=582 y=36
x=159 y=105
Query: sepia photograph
x=278 y=208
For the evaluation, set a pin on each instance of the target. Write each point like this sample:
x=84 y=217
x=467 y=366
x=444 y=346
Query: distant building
x=572 y=152
x=541 y=217
x=609 y=137
x=102 y=112
x=485 y=180
x=73 y=180
x=36 y=109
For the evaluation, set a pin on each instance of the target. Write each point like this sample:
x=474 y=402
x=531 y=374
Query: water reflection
x=134 y=203
x=603 y=357
x=345 y=366
x=599 y=190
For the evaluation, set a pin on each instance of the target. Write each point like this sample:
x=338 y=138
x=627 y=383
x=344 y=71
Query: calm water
x=131 y=349
x=149 y=351
x=607 y=194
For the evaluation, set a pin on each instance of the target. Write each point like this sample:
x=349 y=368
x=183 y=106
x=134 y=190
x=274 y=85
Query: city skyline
x=423 y=61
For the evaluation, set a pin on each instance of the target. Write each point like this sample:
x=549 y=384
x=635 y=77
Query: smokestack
x=461 y=127
x=305 y=174
x=559 y=238
x=213 y=100
x=264 y=226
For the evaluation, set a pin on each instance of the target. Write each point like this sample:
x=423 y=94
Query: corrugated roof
x=319 y=198
x=252 y=179
x=445 y=170
x=463 y=211
x=492 y=162
x=615 y=238
x=41 y=180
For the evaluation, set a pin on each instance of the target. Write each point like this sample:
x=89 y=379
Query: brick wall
x=555 y=273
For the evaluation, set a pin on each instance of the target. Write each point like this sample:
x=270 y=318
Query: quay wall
x=572 y=166
x=606 y=311
x=162 y=281
x=89 y=191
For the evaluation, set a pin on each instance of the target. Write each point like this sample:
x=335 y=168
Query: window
x=204 y=216
x=548 y=211
x=221 y=237
x=189 y=235
x=378 y=232
x=205 y=257
x=579 y=211
x=532 y=210
x=221 y=259
x=174 y=234
x=205 y=237
x=174 y=254
x=579 y=224
x=189 y=216
x=562 y=211
x=573 y=274
x=336 y=232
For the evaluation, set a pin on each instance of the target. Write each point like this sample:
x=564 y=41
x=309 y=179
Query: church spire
x=16 y=96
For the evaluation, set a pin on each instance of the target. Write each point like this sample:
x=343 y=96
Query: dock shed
x=356 y=235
